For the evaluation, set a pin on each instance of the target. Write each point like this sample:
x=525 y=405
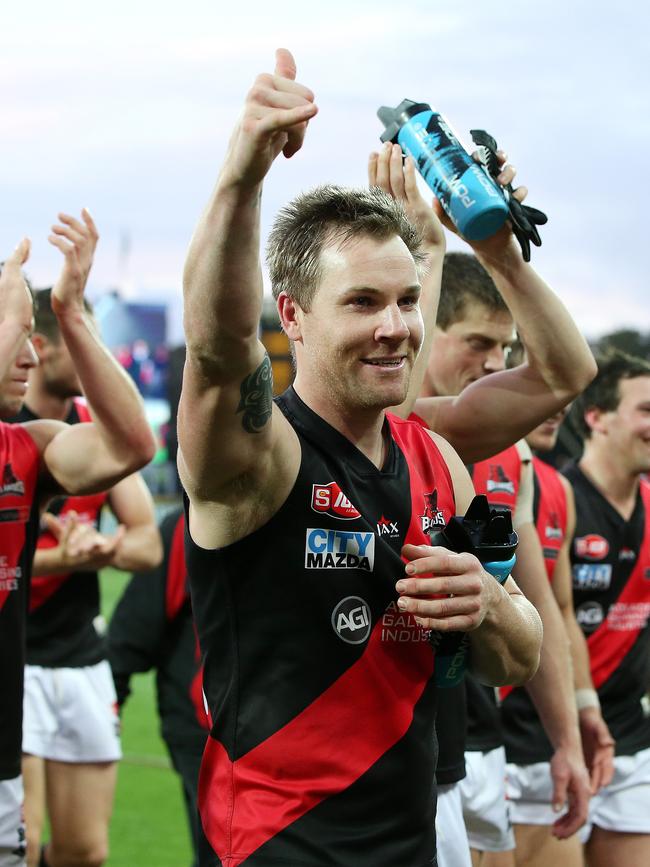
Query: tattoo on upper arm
x=256 y=400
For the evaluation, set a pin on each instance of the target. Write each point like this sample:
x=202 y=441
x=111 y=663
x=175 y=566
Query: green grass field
x=149 y=826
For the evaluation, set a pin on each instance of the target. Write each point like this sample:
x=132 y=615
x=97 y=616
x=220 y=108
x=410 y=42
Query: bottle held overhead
x=469 y=196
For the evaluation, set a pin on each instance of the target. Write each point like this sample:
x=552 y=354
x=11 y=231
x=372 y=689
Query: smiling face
x=13 y=386
x=626 y=429
x=356 y=346
x=470 y=348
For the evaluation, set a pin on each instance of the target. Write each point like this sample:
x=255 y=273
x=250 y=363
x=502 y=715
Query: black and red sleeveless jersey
x=611 y=593
x=498 y=478
x=525 y=738
x=152 y=628
x=19 y=462
x=322 y=693
x=62 y=608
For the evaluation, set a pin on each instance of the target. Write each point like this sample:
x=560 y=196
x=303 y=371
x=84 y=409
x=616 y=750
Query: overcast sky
x=127 y=108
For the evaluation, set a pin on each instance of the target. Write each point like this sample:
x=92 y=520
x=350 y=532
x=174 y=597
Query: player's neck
x=361 y=427
x=46 y=405
x=616 y=484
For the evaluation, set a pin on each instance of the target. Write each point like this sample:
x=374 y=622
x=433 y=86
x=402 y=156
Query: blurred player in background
x=45 y=457
x=70 y=724
x=152 y=628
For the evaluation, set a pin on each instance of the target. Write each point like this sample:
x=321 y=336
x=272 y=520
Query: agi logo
x=590 y=615
x=339 y=549
x=351 y=620
x=330 y=500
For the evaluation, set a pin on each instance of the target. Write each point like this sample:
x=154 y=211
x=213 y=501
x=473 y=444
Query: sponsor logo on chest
x=330 y=500
x=553 y=530
x=589 y=616
x=387 y=529
x=351 y=620
x=626 y=554
x=498 y=481
x=432 y=517
x=592 y=576
x=10 y=483
x=591 y=547
x=339 y=549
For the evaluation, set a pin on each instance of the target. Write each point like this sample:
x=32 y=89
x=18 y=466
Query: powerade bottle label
x=471 y=199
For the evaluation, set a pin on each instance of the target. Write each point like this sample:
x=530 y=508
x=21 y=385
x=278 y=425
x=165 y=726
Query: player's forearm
x=50 y=561
x=505 y=647
x=140 y=549
x=579 y=651
x=552 y=688
x=117 y=408
x=222 y=278
x=556 y=350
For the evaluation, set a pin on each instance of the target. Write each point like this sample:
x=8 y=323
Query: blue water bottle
x=472 y=200
x=487 y=533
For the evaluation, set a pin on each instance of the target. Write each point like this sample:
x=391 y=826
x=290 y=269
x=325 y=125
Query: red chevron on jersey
x=313 y=756
x=550 y=513
x=628 y=616
x=176 y=593
x=176 y=596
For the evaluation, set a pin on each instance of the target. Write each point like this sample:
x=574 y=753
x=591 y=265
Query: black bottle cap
x=395 y=118
x=485 y=531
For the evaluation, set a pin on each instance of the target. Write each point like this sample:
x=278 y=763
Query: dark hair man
x=44 y=457
x=610 y=556
x=528 y=750
x=70 y=726
x=315 y=634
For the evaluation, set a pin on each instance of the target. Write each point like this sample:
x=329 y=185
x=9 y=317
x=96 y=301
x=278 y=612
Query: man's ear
x=290 y=315
x=595 y=419
x=40 y=343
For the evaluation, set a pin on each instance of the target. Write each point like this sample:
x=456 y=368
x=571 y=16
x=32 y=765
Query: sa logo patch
x=330 y=500
x=591 y=547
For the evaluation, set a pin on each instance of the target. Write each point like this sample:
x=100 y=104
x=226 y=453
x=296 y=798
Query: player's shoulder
x=42 y=431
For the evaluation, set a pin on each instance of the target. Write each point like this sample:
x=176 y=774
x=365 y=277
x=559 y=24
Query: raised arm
x=16 y=310
x=507 y=405
x=90 y=457
x=225 y=428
